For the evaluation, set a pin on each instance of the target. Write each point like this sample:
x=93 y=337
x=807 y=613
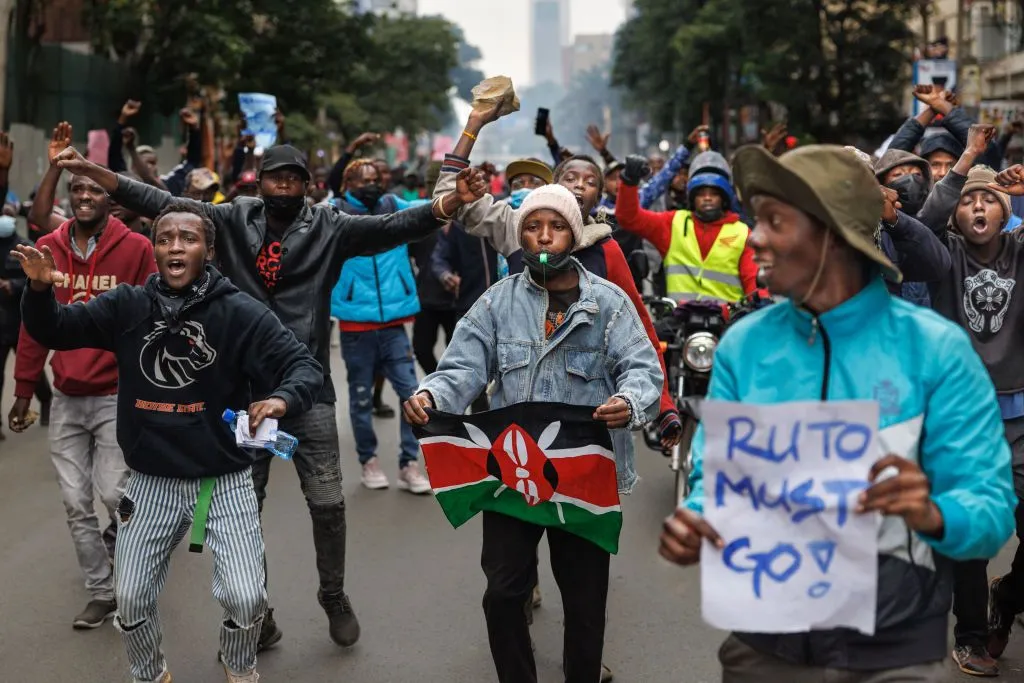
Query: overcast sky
x=500 y=28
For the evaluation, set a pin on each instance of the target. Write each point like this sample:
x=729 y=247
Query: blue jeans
x=365 y=353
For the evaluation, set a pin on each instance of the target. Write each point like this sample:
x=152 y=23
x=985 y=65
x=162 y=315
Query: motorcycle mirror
x=638 y=264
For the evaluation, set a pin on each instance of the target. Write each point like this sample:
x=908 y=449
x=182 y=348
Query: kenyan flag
x=547 y=463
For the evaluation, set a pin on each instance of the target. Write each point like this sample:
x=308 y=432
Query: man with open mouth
x=981 y=294
x=98 y=253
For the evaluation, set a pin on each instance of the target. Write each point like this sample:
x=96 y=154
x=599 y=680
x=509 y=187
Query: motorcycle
x=689 y=333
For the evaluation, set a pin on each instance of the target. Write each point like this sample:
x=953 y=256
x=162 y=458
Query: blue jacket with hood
x=376 y=289
x=937 y=407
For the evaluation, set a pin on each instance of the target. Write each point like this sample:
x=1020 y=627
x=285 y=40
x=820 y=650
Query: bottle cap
x=228 y=415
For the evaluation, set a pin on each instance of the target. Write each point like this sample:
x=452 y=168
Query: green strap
x=200 y=514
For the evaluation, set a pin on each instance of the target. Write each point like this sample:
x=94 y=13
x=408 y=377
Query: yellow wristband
x=469 y=135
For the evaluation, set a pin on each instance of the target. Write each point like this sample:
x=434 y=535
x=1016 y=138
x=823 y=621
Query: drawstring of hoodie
x=92 y=271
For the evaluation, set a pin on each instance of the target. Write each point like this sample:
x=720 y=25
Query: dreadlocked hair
x=586 y=158
x=209 y=229
x=353 y=168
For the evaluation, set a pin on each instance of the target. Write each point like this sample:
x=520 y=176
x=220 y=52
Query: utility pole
x=961 y=52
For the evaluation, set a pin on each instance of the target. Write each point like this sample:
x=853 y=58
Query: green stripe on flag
x=460 y=503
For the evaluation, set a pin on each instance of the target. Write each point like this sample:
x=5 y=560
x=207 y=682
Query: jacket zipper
x=826 y=343
x=376 y=282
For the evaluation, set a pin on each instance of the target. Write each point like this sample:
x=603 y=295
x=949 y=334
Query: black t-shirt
x=268 y=261
x=558 y=303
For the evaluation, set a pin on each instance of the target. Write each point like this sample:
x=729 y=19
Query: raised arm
x=41 y=213
x=483 y=217
x=93 y=324
x=368 y=235
x=658 y=185
x=337 y=174
x=653 y=226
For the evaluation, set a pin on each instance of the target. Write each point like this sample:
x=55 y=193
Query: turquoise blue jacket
x=376 y=289
x=937 y=407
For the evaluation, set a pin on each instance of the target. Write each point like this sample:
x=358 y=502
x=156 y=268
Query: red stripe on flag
x=451 y=465
x=590 y=478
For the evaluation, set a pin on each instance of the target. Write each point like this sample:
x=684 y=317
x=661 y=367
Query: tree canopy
x=837 y=66
x=316 y=56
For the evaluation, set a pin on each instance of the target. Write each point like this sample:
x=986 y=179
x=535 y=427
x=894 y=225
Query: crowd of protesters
x=141 y=283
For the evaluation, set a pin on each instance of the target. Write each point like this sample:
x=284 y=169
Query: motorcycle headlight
x=699 y=351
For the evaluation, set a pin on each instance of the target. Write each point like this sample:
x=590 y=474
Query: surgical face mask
x=709 y=216
x=913 y=190
x=284 y=207
x=542 y=264
x=7 y=225
x=515 y=200
x=368 y=195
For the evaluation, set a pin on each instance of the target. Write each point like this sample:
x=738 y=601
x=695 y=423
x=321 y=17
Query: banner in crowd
x=547 y=463
x=259 y=109
x=780 y=486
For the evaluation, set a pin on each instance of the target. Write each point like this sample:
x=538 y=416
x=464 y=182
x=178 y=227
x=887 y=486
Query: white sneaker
x=373 y=476
x=412 y=480
x=248 y=677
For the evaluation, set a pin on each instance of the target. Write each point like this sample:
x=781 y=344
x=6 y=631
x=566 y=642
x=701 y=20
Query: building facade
x=549 y=38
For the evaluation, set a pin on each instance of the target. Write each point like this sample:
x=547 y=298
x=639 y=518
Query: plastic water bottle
x=283 y=446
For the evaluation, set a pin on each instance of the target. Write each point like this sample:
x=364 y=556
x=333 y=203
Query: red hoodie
x=656 y=228
x=120 y=257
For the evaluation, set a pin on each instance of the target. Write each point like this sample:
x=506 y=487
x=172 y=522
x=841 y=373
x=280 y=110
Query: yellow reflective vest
x=716 y=278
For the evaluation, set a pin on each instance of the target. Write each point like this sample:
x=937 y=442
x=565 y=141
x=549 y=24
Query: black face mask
x=709 y=216
x=368 y=195
x=284 y=207
x=913 y=190
x=553 y=263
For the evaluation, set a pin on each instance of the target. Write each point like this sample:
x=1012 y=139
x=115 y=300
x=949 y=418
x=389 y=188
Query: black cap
x=282 y=156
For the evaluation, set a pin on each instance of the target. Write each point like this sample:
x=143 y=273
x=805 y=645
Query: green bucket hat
x=825 y=181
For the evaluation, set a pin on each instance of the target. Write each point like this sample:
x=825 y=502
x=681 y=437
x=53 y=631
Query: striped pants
x=153 y=516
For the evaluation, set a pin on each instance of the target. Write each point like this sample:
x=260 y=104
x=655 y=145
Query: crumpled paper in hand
x=495 y=90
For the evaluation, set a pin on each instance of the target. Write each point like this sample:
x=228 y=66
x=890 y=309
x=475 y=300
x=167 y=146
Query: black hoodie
x=179 y=371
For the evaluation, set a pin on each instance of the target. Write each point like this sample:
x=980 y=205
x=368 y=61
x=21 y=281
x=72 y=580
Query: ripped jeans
x=319 y=468
x=366 y=354
x=154 y=515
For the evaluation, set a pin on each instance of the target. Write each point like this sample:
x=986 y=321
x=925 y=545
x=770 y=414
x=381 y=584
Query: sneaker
x=536 y=597
x=606 y=674
x=270 y=634
x=975 y=660
x=383 y=410
x=344 y=626
x=248 y=677
x=373 y=476
x=412 y=480
x=999 y=621
x=95 y=613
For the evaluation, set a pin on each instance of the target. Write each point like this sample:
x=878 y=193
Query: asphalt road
x=414 y=581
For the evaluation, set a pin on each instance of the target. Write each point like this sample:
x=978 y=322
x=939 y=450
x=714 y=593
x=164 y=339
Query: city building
x=985 y=38
x=590 y=51
x=549 y=38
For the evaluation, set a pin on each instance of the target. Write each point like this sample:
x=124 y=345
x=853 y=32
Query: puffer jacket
x=379 y=288
x=937 y=407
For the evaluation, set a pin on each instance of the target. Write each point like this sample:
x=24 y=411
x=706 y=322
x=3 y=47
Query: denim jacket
x=600 y=350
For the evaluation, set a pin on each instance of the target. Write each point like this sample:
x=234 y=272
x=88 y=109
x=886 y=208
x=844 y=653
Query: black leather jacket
x=313 y=250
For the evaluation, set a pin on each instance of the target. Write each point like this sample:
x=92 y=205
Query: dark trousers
x=1010 y=594
x=970 y=602
x=43 y=391
x=318 y=465
x=509 y=561
x=970 y=578
x=424 y=335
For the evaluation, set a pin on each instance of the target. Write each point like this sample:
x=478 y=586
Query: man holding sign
x=892 y=464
